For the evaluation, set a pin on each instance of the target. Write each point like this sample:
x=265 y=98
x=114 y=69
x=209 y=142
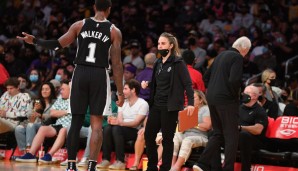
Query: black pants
x=248 y=143
x=166 y=121
x=116 y=136
x=224 y=120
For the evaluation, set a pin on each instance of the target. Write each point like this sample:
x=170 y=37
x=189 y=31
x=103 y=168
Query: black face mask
x=245 y=98
x=272 y=82
x=163 y=52
x=284 y=98
x=260 y=98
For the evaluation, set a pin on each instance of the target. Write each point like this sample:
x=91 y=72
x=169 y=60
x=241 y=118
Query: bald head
x=243 y=45
x=150 y=59
x=252 y=91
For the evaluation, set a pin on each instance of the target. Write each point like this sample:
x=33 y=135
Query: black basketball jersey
x=94 y=42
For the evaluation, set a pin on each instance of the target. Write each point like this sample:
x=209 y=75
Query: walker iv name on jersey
x=95 y=34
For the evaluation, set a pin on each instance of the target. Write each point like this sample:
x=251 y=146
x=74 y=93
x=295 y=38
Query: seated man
x=253 y=122
x=270 y=107
x=14 y=106
x=59 y=129
x=125 y=126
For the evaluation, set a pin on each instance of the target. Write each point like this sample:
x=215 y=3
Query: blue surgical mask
x=58 y=77
x=33 y=78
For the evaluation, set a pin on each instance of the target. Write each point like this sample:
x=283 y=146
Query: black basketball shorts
x=90 y=87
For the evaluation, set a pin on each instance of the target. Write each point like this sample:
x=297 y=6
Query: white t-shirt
x=129 y=113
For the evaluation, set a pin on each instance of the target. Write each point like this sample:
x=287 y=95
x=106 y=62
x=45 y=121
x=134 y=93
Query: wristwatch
x=119 y=94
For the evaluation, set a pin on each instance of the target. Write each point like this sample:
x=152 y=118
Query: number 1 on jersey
x=90 y=57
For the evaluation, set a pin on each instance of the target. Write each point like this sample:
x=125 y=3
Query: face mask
x=245 y=98
x=272 y=82
x=260 y=98
x=58 y=77
x=22 y=86
x=163 y=52
x=33 y=78
x=284 y=98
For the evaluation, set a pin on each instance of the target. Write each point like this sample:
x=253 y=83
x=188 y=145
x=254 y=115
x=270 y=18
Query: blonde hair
x=201 y=95
x=173 y=40
x=266 y=74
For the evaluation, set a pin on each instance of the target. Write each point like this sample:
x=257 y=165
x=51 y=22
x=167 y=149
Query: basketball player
x=97 y=40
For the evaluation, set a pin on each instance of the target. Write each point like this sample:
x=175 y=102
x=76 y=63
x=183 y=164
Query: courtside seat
x=274 y=158
x=130 y=147
x=194 y=156
x=282 y=134
x=8 y=141
x=294 y=159
x=254 y=158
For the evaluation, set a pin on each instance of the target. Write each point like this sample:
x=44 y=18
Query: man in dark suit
x=223 y=91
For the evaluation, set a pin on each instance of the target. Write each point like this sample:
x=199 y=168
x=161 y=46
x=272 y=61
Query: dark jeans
x=248 y=143
x=166 y=121
x=116 y=136
x=224 y=120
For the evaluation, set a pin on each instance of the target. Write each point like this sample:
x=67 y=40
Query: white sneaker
x=83 y=162
x=196 y=168
x=117 y=165
x=103 y=164
x=65 y=162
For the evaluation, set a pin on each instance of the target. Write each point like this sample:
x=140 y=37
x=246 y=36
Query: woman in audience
x=35 y=78
x=41 y=115
x=269 y=79
x=194 y=137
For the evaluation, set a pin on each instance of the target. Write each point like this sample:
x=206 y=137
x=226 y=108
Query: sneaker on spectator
x=196 y=168
x=83 y=162
x=65 y=162
x=103 y=164
x=117 y=165
x=46 y=159
x=28 y=158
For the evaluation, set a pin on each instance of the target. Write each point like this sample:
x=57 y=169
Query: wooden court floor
x=15 y=166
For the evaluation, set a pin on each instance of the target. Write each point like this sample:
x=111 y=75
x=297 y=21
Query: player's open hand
x=28 y=38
